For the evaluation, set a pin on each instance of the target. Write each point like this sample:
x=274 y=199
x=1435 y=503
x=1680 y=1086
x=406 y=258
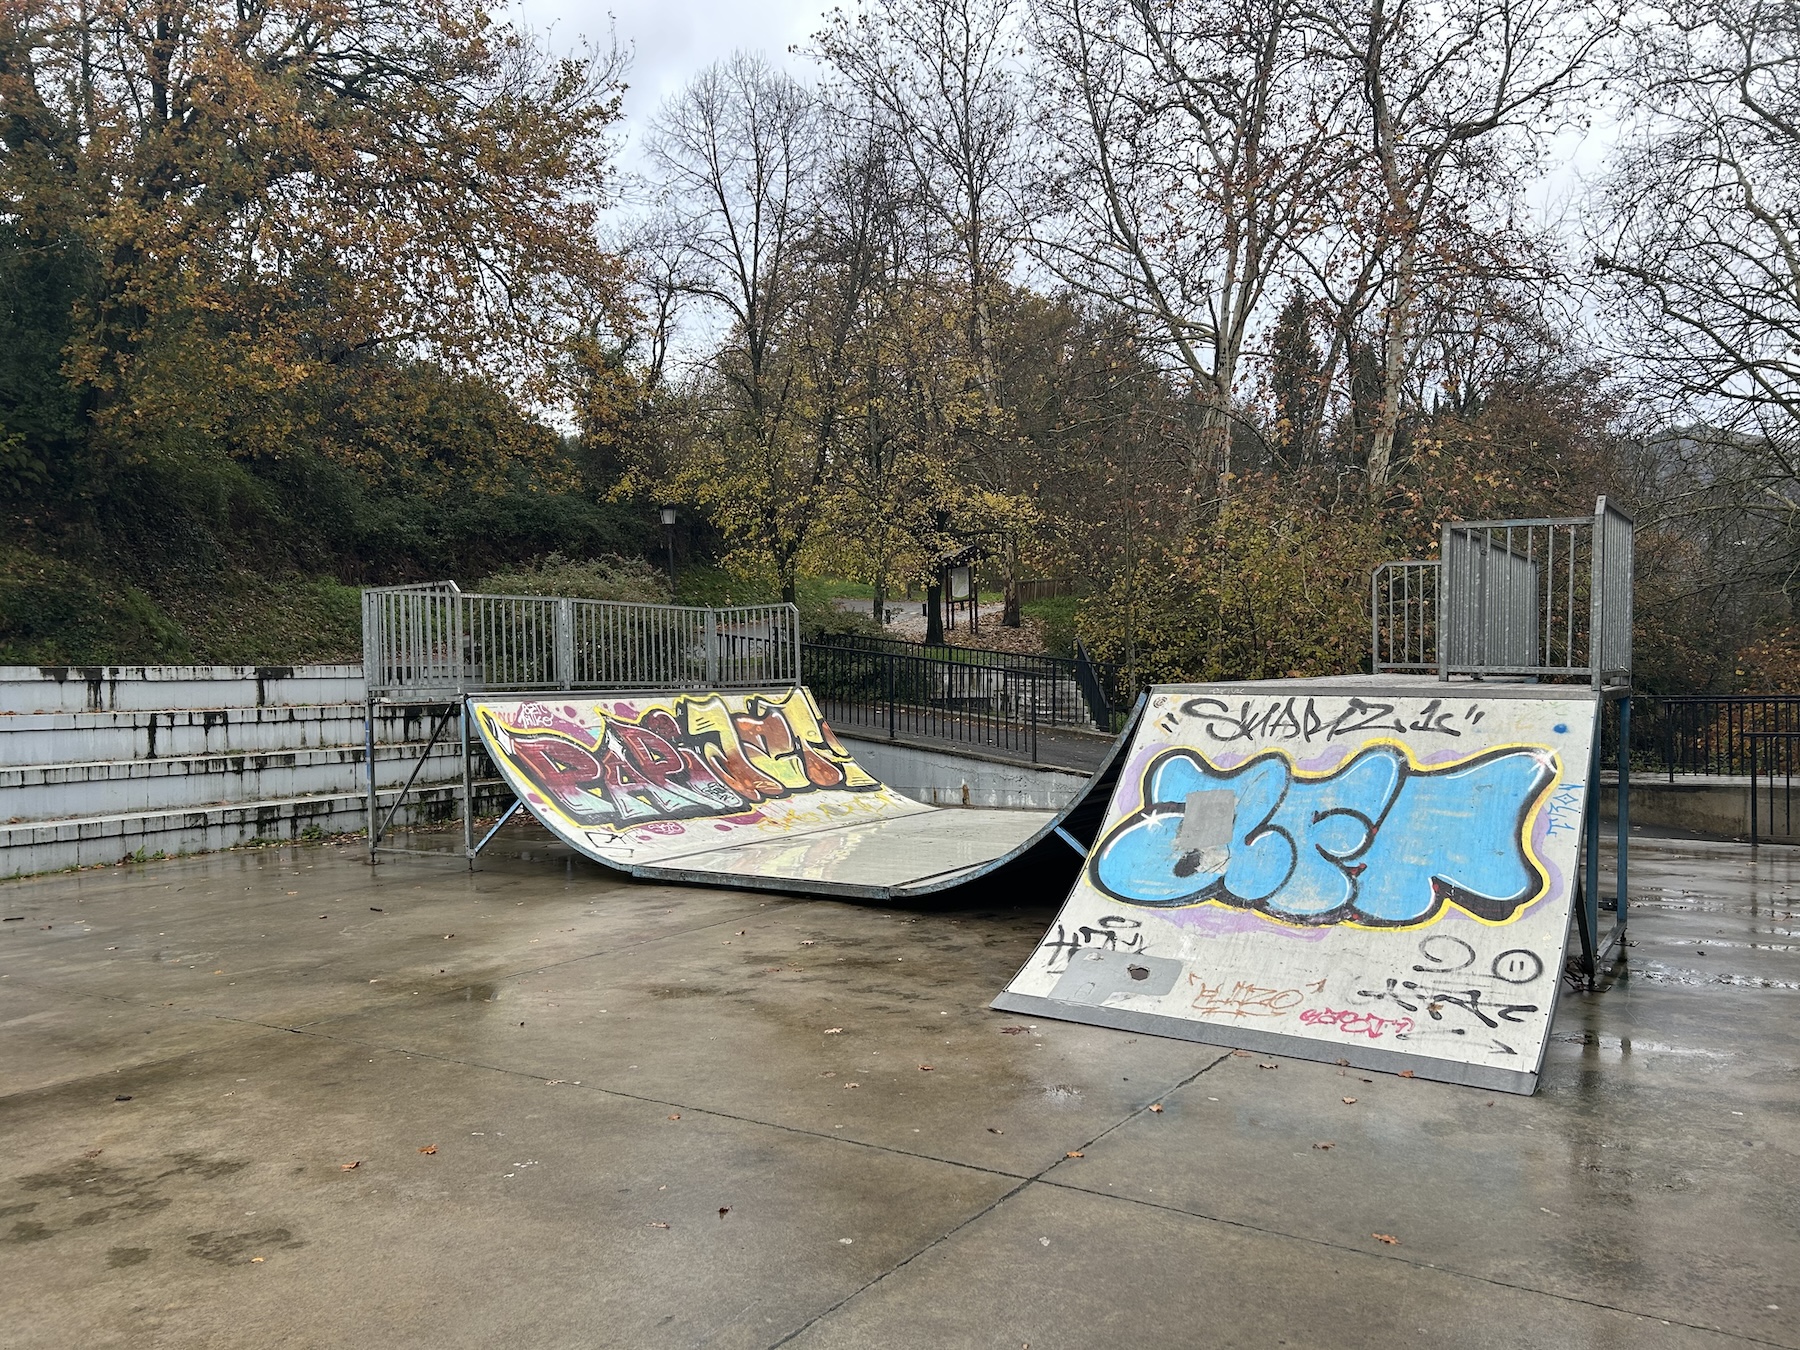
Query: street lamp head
x=668 y=513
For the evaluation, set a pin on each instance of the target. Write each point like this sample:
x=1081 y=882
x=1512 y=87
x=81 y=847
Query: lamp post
x=668 y=520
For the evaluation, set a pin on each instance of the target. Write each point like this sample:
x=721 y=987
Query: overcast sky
x=672 y=39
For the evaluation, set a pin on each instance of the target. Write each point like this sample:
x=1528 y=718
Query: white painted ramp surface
x=1377 y=872
x=741 y=788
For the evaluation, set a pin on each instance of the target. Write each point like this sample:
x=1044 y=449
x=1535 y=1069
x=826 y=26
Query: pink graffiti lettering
x=1353 y=1023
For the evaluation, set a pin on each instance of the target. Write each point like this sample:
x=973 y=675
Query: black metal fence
x=1684 y=735
x=895 y=694
x=1075 y=692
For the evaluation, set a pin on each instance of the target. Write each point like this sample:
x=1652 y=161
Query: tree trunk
x=1393 y=371
x=878 y=605
x=934 y=612
x=1011 y=615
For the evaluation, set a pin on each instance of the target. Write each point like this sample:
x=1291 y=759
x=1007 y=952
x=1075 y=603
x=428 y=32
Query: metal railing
x=1773 y=753
x=895 y=694
x=1078 y=692
x=1403 y=616
x=1547 y=597
x=1691 y=735
x=436 y=643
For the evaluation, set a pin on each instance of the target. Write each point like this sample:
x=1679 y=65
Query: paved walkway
x=273 y=1098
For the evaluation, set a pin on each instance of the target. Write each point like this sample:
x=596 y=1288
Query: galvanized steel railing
x=1547 y=597
x=435 y=643
x=1403 y=616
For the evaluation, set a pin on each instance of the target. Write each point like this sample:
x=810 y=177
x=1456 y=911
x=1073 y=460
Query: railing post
x=1034 y=717
x=1752 y=746
x=565 y=644
x=887 y=661
x=1624 y=846
x=468 y=787
x=369 y=764
x=712 y=648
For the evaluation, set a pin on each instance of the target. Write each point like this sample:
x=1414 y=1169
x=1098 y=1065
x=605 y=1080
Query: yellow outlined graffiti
x=680 y=757
x=1379 y=842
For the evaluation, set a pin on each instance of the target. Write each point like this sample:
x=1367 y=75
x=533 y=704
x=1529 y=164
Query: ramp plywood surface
x=747 y=789
x=1378 y=875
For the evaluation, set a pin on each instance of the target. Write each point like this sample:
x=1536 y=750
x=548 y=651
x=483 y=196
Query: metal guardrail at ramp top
x=1545 y=598
x=435 y=644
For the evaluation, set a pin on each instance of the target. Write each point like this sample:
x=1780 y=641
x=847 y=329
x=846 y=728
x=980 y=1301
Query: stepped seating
x=102 y=764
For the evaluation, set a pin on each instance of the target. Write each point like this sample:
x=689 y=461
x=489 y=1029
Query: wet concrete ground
x=270 y=1099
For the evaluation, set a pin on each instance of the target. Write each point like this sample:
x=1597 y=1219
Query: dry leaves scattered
x=1157 y=1108
x=1076 y=1154
x=1388 y=1238
x=429 y=1149
x=1349 y=1101
x=350 y=1166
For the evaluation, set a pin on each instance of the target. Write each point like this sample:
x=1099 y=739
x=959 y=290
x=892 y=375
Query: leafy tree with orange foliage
x=263 y=196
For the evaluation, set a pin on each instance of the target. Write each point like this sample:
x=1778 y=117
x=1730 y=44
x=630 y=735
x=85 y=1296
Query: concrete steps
x=107 y=763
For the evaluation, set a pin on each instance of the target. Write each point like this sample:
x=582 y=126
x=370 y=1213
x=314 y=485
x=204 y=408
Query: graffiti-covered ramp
x=1377 y=871
x=752 y=789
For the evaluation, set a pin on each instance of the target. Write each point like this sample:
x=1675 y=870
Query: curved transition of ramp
x=1370 y=871
x=752 y=789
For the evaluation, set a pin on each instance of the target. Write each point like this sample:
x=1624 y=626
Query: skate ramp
x=1376 y=871
x=753 y=789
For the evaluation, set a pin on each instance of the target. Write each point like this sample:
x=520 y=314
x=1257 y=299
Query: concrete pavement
x=272 y=1098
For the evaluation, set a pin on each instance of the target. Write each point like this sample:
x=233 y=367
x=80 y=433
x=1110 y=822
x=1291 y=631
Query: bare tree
x=1452 y=99
x=943 y=76
x=1697 y=244
x=1194 y=146
x=739 y=153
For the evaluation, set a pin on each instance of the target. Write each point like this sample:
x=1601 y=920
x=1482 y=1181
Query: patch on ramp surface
x=1380 y=873
x=747 y=788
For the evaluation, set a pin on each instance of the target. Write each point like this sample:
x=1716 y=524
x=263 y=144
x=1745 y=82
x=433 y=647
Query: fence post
x=1752 y=744
x=565 y=643
x=1034 y=745
x=887 y=661
x=712 y=648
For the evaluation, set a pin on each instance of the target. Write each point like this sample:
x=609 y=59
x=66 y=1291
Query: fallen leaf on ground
x=808 y=942
x=1013 y=1031
x=1406 y=1073
x=374 y=909
x=93 y=1153
x=1240 y=1054
x=742 y=931
x=659 y=1225
x=448 y=936
x=1388 y=1238
x=350 y=1166
x=1268 y=1066
x=429 y=1148
x=1325 y=1145
x=724 y=1210
x=1157 y=1107
x=1076 y=1154
x=851 y=1085
x=829 y=1073
x=992 y=1130
x=926 y=1068
x=675 y=1115
x=834 y=1031
x=256 y=1260
x=1349 y=1101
